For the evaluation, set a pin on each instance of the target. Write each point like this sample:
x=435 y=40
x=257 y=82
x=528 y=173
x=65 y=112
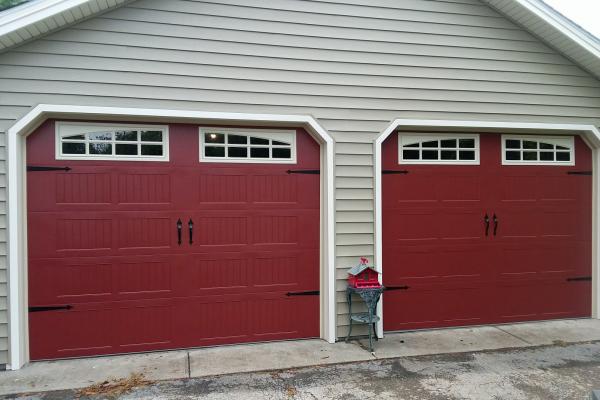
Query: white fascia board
x=562 y=24
x=34 y=12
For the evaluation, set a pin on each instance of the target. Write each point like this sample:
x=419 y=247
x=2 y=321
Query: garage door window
x=254 y=146
x=536 y=150
x=418 y=148
x=75 y=141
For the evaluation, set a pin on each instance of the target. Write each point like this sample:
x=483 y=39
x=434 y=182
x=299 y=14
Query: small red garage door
x=129 y=256
x=485 y=229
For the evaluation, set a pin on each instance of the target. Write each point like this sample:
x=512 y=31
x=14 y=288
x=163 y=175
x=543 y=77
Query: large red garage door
x=485 y=228
x=129 y=256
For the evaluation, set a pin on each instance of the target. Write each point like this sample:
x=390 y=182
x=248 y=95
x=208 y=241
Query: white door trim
x=589 y=132
x=17 y=253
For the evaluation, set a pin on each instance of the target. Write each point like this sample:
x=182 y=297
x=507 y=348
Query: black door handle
x=179 y=226
x=495 y=224
x=486 y=220
x=191 y=227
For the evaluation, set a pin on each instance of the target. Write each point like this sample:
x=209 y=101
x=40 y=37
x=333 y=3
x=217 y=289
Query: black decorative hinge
x=41 y=168
x=580 y=279
x=397 y=288
x=304 y=171
x=50 y=308
x=393 y=171
x=579 y=173
x=307 y=293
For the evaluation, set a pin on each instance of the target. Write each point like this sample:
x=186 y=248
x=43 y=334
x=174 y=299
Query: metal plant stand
x=371 y=297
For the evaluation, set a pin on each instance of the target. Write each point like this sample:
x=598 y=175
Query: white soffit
x=34 y=19
x=554 y=29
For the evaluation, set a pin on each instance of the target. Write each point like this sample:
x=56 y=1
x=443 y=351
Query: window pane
x=126 y=149
x=130 y=136
x=448 y=154
x=214 y=138
x=466 y=155
x=259 y=152
x=100 y=136
x=150 y=150
x=152 y=136
x=237 y=139
x=277 y=143
x=528 y=144
x=513 y=155
x=237 y=152
x=255 y=140
x=449 y=143
x=430 y=155
x=530 y=156
x=282 y=153
x=563 y=156
x=411 y=145
x=410 y=154
x=546 y=156
x=432 y=143
x=546 y=146
x=74 y=137
x=211 y=151
x=466 y=143
x=562 y=148
x=73 y=148
x=101 y=148
x=513 y=144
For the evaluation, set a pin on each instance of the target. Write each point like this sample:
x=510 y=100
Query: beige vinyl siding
x=354 y=65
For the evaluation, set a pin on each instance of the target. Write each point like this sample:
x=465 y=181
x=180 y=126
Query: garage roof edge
x=553 y=28
x=37 y=18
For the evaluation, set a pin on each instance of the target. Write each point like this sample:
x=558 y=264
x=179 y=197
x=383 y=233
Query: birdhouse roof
x=358 y=269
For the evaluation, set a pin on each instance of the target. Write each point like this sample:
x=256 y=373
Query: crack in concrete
x=189 y=365
x=513 y=335
x=359 y=344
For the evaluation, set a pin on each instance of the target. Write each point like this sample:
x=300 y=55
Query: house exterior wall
x=354 y=65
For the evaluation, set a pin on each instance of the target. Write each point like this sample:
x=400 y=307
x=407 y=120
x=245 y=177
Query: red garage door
x=129 y=256
x=484 y=229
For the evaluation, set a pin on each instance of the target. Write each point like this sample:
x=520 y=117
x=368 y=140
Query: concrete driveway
x=546 y=360
x=544 y=373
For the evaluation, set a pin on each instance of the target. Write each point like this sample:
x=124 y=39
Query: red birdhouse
x=363 y=276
